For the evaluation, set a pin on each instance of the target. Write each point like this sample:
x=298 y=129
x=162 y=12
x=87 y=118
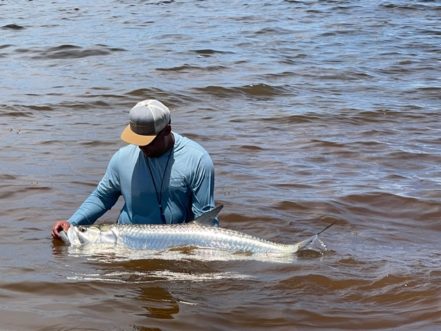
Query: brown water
x=313 y=112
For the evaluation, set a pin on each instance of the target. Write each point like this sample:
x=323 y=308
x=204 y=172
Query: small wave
x=294 y=119
x=7 y=177
x=344 y=76
x=14 y=111
x=169 y=99
x=273 y=31
x=326 y=283
x=431 y=92
x=82 y=105
x=383 y=198
x=8 y=191
x=71 y=52
x=273 y=76
x=291 y=205
x=41 y=107
x=12 y=27
x=50 y=142
x=194 y=136
x=96 y=143
x=50 y=288
x=83 y=183
x=136 y=277
x=209 y=52
x=292 y=186
x=253 y=90
x=326 y=143
x=190 y=68
x=263 y=90
x=430 y=32
x=250 y=148
x=30 y=110
x=144 y=92
x=352 y=116
x=407 y=7
x=413 y=210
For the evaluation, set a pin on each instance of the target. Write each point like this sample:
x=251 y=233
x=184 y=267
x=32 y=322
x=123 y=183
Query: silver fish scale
x=157 y=237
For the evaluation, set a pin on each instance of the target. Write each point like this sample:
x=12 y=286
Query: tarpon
x=162 y=237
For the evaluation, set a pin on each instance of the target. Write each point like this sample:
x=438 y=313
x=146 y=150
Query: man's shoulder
x=190 y=156
x=126 y=152
x=189 y=146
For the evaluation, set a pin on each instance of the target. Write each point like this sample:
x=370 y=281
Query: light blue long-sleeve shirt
x=187 y=186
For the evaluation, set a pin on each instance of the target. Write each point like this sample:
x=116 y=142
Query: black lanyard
x=159 y=193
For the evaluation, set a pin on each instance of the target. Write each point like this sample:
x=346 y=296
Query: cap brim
x=131 y=137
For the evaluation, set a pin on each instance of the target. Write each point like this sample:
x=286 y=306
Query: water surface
x=313 y=112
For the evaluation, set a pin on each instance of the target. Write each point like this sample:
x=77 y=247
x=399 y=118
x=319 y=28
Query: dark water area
x=313 y=112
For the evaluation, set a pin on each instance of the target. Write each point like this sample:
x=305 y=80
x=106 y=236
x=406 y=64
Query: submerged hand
x=59 y=226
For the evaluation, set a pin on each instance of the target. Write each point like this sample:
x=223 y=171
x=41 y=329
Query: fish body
x=200 y=233
x=163 y=237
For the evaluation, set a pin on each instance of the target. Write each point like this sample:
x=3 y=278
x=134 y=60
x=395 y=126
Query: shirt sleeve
x=202 y=186
x=102 y=198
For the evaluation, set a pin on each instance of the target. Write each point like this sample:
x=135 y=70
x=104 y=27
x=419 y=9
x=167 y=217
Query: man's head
x=147 y=119
x=149 y=128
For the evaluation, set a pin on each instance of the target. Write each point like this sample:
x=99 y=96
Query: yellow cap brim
x=131 y=137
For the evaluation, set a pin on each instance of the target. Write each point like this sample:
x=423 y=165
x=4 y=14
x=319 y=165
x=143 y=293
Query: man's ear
x=167 y=129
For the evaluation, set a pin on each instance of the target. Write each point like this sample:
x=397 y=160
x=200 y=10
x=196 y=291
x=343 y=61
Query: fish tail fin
x=325 y=228
x=306 y=242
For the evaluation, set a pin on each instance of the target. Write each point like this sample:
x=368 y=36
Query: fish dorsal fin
x=207 y=217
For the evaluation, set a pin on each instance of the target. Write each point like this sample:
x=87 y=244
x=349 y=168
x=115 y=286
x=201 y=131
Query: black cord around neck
x=159 y=193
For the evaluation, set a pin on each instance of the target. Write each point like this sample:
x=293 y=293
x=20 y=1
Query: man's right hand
x=58 y=226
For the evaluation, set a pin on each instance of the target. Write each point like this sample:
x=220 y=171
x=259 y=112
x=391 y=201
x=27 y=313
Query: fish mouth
x=64 y=237
x=70 y=237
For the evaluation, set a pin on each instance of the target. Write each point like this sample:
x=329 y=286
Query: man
x=163 y=177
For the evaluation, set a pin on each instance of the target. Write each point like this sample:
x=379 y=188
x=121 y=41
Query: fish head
x=89 y=234
x=94 y=234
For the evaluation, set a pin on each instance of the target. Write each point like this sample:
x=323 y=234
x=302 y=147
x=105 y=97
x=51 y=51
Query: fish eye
x=82 y=229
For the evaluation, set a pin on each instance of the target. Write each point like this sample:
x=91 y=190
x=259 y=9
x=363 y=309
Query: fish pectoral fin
x=243 y=253
x=188 y=250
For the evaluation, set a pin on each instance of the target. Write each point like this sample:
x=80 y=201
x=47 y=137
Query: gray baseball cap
x=147 y=119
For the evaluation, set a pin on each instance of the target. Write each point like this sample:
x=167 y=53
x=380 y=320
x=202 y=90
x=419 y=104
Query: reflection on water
x=108 y=253
x=158 y=302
